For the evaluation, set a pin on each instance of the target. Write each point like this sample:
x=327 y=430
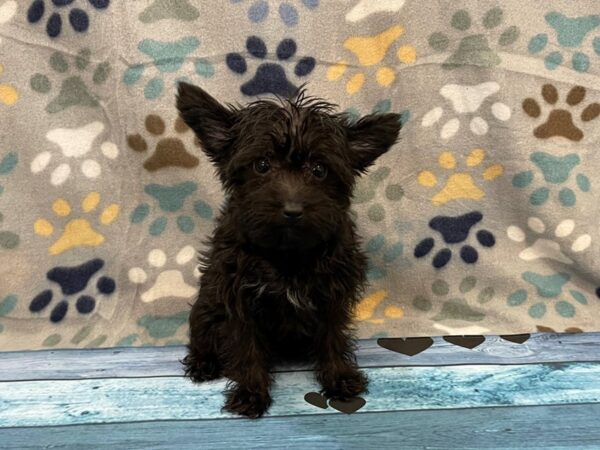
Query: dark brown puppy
x=284 y=269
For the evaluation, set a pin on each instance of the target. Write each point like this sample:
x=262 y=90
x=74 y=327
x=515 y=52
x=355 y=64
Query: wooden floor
x=544 y=393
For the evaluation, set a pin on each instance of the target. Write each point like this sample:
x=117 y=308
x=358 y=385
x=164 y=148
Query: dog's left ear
x=210 y=120
x=371 y=137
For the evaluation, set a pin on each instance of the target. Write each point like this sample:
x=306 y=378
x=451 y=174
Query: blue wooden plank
x=65 y=402
x=541 y=427
x=164 y=361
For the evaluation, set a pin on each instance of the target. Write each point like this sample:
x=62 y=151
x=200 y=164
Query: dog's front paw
x=201 y=369
x=344 y=385
x=246 y=403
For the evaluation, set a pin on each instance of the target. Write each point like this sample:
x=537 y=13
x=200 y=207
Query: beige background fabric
x=105 y=196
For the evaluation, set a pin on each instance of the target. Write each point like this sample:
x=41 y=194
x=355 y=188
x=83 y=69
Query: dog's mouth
x=285 y=237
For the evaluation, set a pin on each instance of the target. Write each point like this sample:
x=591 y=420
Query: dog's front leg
x=247 y=366
x=337 y=370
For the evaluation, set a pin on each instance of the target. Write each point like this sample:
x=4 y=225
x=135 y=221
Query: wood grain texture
x=67 y=402
x=533 y=427
x=164 y=361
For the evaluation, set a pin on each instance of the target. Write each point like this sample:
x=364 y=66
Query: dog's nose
x=292 y=211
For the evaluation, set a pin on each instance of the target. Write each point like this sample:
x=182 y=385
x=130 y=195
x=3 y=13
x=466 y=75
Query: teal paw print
x=159 y=328
x=171 y=201
x=8 y=239
x=381 y=255
x=167 y=57
x=6 y=306
x=550 y=293
x=556 y=171
x=382 y=107
x=570 y=35
x=455 y=304
x=367 y=189
x=75 y=89
x=474 y=48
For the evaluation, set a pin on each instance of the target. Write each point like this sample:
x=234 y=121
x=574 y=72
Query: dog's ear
x=371 y=137
x=210 y=120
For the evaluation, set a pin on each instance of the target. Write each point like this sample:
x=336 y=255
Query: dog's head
x=288 y=167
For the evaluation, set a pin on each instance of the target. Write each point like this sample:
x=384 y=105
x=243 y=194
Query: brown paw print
x=347 y=406
x=545 y=329
x=560 y=121
x=169 y=151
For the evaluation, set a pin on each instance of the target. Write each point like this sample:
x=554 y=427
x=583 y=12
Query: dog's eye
x=319 y=171
x=262 y=166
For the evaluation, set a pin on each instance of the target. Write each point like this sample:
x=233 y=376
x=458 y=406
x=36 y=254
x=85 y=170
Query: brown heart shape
x=348 y=406
x=516 y=338
x=408 y=346
x=316 y=399
x=469 y=342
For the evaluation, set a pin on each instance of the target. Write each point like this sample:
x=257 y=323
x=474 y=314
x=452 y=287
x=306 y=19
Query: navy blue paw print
x=270 y=77
x=288 y=13
x=72 y=281
x=78 y=18
x=455 y=230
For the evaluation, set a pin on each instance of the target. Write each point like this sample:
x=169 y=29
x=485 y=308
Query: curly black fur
x=276 y=287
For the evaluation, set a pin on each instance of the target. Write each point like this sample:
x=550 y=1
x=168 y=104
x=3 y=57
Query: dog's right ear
x=210 y=120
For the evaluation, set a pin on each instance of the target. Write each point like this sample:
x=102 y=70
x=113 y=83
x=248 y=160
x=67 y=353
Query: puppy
x=284 y=268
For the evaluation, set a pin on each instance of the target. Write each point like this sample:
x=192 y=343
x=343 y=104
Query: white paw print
x=547 y=248
x=466 y=99
x=74 y=143
x=364 y=8
x=168 y=283
x=8 y=10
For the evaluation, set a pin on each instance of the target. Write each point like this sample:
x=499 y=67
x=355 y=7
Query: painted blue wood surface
x=541 y=427
x=65 y=402
x=164 y=361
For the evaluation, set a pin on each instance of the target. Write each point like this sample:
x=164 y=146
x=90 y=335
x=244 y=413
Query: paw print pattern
x=169 y=151
x=455 y=230
x=74 y=91
x=367 y=189
x=369 y=309
x=466 y=101
x=474 y=49
x=162 y=327
x=365 y=8
x=171 y=200
x=168 y=283
x=370 y=52
x=8 y=239
x=8 y=93
x=381 y=255
x=78 y=18
x=74 y=144
x=381 y=107
x=459 y=185
x=543 y=248
x=8 y=9
x=77 y=232
x=560 y=121
x=455 y=306
x=571 y=32
x=556 y=171
x=72 y=281
x=270 y=77
x=288 y=13
x=167 y=58
x=169 y=9
x=550 y=290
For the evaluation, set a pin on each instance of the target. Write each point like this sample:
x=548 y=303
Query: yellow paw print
x=368 y=305
x=77 y=232
x=8 y=94
x=459 y=185
x=370 y=51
